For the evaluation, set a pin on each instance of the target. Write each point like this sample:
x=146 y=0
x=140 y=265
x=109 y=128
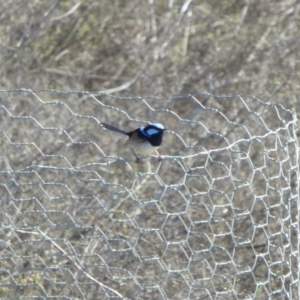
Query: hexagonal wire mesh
x=216 y=219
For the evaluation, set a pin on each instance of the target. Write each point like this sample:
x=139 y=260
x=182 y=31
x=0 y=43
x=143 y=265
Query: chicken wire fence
x=217 y=218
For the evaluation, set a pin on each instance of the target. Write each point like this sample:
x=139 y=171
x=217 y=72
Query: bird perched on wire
x=143 y=140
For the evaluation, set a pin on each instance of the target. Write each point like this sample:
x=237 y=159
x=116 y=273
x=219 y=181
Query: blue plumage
x=143 y=140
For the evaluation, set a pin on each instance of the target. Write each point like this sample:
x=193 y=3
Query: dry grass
x=217 y=218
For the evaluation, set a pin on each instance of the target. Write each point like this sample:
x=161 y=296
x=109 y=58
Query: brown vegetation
x=217 y=218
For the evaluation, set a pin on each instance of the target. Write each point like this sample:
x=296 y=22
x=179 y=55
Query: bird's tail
x=113 y=128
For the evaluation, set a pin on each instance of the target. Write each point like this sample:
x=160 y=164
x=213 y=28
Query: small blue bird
x=143 y=140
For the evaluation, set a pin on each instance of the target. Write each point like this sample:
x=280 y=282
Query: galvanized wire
x=217 y=218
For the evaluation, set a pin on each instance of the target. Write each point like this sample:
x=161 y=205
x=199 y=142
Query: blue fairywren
x=143 y=140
